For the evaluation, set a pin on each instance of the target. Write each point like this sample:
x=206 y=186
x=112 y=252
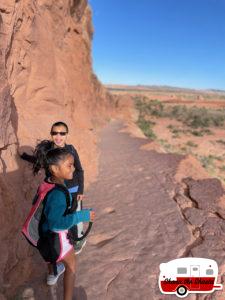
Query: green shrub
x=191 y=144
x=221 y=142
x=201 y=132
x=146 y=127
x=194 y=117
x=207 y=161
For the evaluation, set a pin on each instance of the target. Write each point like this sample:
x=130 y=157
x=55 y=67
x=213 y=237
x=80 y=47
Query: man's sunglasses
x=58 y=132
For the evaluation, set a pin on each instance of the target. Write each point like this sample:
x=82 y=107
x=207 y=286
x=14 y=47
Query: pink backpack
x=30 y=228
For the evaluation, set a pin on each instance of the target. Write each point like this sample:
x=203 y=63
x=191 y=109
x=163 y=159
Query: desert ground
x=182 y=121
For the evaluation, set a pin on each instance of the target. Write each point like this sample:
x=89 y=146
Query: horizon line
x=166 y=86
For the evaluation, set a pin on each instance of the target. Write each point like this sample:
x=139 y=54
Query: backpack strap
x=68 y=209
x=86 y=232
x=63 y=189
x=42 y=219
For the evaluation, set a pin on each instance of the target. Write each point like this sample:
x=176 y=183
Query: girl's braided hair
x=46 y=155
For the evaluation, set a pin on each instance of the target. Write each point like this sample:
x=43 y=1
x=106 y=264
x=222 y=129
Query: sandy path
x=126 y=247
x=139 y=224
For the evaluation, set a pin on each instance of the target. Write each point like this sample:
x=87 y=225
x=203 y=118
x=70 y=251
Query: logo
x=188 y=275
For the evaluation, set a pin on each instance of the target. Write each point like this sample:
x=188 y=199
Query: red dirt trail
x=139 y=224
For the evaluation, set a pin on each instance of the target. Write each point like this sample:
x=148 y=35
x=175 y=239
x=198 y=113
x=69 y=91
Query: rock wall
x=45 y=76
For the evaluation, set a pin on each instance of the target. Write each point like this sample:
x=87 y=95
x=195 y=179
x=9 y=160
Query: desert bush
x=194 y=117
x=202 y=117
x=178 y=112
x=221 y=142
x=191 y=144
x=168 y=147
x=201 y=132
x=156 y=108
x=208 y=161
x=153 y=107
x=146 y=127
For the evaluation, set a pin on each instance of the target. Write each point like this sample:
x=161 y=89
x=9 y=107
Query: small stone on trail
x=109 y=210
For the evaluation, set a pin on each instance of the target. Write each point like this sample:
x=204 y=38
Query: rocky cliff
x=45 y=76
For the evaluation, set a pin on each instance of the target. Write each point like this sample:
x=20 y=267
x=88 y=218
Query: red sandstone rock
x=46 y=76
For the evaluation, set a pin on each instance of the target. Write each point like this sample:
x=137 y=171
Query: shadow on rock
x=21 y=263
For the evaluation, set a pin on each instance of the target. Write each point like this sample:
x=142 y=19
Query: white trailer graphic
x=189 y=275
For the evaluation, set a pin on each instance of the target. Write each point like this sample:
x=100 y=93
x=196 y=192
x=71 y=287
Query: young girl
x=59 y=166
x=59 y=132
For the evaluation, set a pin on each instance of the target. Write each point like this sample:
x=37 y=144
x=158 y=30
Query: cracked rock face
x=206 y=191
x=45 y=76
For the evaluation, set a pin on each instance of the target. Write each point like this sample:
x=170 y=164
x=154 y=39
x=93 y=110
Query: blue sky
x=163 y=42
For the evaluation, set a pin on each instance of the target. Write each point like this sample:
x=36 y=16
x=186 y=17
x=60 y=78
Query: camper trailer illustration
x=189 y=275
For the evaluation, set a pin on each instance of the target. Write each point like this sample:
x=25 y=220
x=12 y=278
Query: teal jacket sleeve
x=55 y=208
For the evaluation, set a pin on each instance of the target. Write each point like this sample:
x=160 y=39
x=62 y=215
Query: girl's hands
x=92 y=215
x=80 y=197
